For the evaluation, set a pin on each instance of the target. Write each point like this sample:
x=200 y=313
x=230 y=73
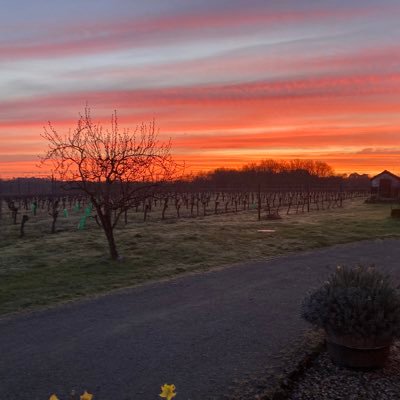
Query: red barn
x=385 y=185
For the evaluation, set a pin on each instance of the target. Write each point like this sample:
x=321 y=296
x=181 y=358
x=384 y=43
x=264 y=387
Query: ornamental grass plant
x=359 y=302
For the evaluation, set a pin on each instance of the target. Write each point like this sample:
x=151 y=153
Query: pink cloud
x=90 y=38
x=252 y=62
x=217 y=94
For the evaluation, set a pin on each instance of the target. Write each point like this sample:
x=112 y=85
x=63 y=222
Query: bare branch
x=114 y=168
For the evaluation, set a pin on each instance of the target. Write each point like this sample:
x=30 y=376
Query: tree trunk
x=53 y=224
x=24 y=220
x=164 y=208
x=106 y=224
x=14 y=217
x=111 y=242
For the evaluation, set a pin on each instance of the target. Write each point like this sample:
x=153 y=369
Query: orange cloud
x=259 y=119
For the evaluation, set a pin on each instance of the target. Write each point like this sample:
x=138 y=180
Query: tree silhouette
x=113 y=167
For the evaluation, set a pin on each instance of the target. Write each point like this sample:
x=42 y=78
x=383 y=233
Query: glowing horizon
x=229 y=83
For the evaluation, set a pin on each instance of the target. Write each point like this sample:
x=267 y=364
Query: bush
x=360 y=302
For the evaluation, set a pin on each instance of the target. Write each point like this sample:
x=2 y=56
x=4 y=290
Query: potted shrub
x=359 y=309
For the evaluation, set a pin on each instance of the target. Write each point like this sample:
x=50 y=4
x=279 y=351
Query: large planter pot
x=358 y=353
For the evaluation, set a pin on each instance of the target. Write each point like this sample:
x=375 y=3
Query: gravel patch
x=325 y=381
x=277 y=380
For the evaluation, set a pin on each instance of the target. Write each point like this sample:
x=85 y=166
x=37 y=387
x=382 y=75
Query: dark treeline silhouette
x=30 y=187
x=280 y=175
x=269 y=174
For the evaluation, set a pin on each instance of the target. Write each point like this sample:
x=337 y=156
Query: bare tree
x=113 y=167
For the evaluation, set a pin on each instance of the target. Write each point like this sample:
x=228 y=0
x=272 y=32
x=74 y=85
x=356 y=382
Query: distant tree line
x=29 y=187
x=273 y=174
x=280 y=174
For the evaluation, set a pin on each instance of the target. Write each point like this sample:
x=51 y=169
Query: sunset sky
x=229 y=81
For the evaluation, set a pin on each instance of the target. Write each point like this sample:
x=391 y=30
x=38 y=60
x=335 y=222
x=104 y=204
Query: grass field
x=42 y=268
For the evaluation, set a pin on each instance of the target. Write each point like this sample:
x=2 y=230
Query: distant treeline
x=267 y=174
x=281 y=174
x=28 y=187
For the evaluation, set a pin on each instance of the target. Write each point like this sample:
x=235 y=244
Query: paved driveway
x=200 y=332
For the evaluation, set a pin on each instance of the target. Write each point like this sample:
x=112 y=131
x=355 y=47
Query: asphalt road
x=200 y=332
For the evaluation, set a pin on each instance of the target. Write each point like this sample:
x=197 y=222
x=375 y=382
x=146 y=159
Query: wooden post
x=23 y=222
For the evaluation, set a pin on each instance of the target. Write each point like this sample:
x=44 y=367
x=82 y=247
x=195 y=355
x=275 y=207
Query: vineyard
x=166 y=234
x=165 y=206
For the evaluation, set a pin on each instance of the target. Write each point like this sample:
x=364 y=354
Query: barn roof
x=388 y=173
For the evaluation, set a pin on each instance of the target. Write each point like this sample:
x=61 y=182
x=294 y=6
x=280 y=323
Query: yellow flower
x=167 y=391
x=53 y=397
x=86 y=396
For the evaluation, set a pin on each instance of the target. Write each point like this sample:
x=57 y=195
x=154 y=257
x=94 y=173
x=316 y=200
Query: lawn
x=44 y=268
